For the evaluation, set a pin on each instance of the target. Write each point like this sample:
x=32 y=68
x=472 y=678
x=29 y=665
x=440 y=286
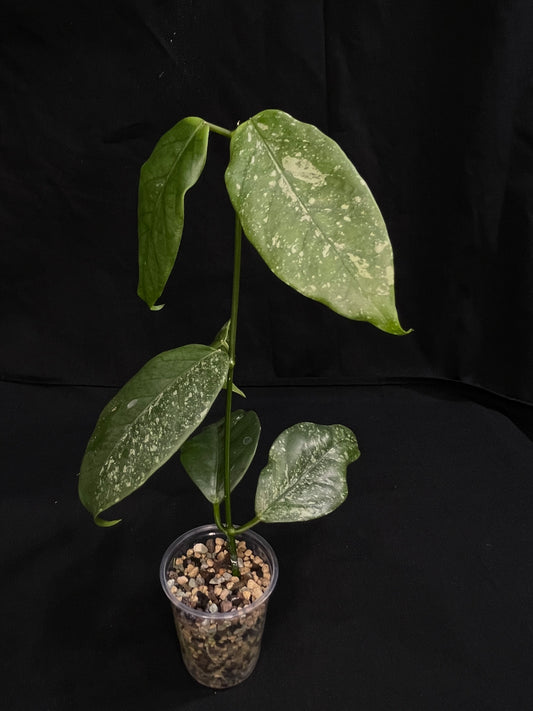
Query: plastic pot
x=219 y=649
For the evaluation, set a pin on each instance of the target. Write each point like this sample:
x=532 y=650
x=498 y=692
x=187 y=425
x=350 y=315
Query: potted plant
x=313 y=220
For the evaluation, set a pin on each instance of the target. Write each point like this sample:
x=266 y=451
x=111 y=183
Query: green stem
x=246 y=526
x=216 y=516
x=230 y=531
x=218 y=129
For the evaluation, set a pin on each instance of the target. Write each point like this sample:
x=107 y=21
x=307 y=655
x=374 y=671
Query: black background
x=417 y=593
x=432 y=102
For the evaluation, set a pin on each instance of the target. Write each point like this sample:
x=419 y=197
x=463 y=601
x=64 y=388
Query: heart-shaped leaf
x=312 y=218
x=174 y=166
x=202 y=456
x=305 y=476
x=147 y=421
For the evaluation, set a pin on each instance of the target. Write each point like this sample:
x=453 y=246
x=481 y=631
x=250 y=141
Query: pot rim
x=213 y=530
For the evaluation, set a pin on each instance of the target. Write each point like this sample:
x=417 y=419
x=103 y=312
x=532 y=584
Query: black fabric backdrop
x=424 y=577
x=415 y=595
x=432 y=102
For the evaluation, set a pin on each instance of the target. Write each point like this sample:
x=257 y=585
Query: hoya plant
x=309 y=214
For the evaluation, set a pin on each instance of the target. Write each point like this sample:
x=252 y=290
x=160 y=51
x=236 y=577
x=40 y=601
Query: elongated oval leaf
x=147 y=421
x=312 y=218
x=202 y=456
x=174 y=166
x=305 y=476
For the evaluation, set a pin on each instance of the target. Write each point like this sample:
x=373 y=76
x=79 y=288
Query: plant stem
x=216 y=516
x=246 y=526
x=230 y=531
x=218 y=129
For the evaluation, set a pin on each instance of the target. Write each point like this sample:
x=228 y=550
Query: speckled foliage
x=312 y=218
x=147 y=421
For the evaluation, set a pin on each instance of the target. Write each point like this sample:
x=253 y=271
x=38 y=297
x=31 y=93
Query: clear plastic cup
x=219 y=649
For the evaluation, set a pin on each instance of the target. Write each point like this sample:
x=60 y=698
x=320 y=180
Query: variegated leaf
x=312 y=218
x=305 y=477
x=147 y=421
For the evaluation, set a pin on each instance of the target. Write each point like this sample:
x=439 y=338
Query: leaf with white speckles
x=174 y=166
x=305 y=477
x=147 y=421
x=202 y=456
x=312 y=218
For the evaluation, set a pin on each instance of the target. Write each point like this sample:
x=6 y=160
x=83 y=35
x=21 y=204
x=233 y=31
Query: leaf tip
x=399 y=331
x=393 y=327
x=238 y=391
x=103 y=523
x=148 y=299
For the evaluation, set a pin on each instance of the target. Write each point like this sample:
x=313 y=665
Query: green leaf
x=312 y=218
x=175 y=165
x=202 y=456
x=222 y=338
x=305 y=476
x=147 y=421
x=237 y=390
